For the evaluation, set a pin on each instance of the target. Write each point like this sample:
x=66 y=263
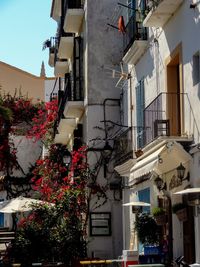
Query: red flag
x=121 y=25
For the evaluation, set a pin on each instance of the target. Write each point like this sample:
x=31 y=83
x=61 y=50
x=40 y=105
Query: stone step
x=6 y=239
x=8 y=233
x=4 y=229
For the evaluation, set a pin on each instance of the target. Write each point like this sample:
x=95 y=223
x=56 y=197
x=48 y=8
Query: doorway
x=174 y=94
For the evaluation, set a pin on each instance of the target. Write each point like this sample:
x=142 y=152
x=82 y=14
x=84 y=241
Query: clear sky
x=24 y=26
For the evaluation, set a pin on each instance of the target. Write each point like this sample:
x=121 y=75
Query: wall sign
x=100 y=223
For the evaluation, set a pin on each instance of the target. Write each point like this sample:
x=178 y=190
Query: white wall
x=49 y=86
x=169 y=37
x=102 y=46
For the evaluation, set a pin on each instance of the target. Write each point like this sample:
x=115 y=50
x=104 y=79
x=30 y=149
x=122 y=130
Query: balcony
x=74 y=16
x=164 y=117
x=52 y=45
x=160 y=12
x=123 y=147
x=61 y=68
x=65 y=130
x=71 y=100
x=74 y=105
x=51 y=58
x=56 y=9
x=65 y=49
x=134 y=40
x=61 y=139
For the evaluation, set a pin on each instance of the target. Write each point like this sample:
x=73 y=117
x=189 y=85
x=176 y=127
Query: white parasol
x=137 y=203
x=188 y=191
x=20 y=204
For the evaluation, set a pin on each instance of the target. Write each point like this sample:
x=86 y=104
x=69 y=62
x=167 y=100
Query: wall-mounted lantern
x=181 y=173
x=161 y=185
x=66 y=157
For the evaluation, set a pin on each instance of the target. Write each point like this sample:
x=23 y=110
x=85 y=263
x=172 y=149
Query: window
x=140 y=113
x=144 y=196
x=196 y=69
x=1 y=215
x=124 y=105
x=131 y=9
x=100 y=223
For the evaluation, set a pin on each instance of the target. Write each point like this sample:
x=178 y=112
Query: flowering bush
x=56 y=232
x=13 y=112
x=43 y=123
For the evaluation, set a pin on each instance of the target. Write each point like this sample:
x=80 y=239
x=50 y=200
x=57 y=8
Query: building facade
x=14 y=81
x=84 y=53
x=161 y=50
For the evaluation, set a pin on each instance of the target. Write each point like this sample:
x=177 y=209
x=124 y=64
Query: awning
x=125 y=168
x=188 y=191
x=165 y=158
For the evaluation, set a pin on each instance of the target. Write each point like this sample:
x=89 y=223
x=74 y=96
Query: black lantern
x=66 y=157
x=161 y=185
x=107 y=151
x=181 y=171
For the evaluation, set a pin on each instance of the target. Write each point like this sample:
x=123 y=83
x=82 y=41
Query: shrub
x=156 y=211
x=147 y=229
x=178 y=206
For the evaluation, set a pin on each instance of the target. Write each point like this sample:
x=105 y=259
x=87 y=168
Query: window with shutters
x=196 y=69
x=140 y=104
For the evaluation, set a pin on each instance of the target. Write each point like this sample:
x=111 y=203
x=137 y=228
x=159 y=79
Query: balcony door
x=174 y=94
x=131 y=8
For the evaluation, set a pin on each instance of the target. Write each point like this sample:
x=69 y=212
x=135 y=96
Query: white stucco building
x=37 y=88
x=83 y=54
x=161 y=51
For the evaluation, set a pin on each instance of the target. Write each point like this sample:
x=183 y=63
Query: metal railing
x=72 y=93
x=123 y=146
x=152 y=4
x=74 y=4
x=52 y=44
x=134 y=30
x=169 y=114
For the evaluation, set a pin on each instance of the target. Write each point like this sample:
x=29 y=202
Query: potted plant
x=159 y=215
x=147 y=229
x=180 y=209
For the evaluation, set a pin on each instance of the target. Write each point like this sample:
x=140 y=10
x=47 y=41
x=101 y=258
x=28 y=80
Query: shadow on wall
x=149 y=64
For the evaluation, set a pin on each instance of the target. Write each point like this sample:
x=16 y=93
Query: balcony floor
x=159 y=15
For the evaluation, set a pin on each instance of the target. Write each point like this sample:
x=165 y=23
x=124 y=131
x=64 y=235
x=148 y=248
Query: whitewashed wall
x=102 y=46
x=183 y=28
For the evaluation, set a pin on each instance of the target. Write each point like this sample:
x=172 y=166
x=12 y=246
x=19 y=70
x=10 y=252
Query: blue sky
x=24 y=26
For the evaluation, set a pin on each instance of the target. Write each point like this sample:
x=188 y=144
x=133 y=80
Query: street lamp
x=180 y=171
x=66 y=157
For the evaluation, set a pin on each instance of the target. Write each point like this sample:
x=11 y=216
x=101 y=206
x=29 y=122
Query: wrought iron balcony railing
x=70 y=93
x=169 y=114
x=74 y=4
x=123 y=146
x=151 y=4
x=134 y=30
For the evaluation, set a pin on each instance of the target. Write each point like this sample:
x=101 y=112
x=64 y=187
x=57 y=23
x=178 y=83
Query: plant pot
x=182 y=215
x=160 y=219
